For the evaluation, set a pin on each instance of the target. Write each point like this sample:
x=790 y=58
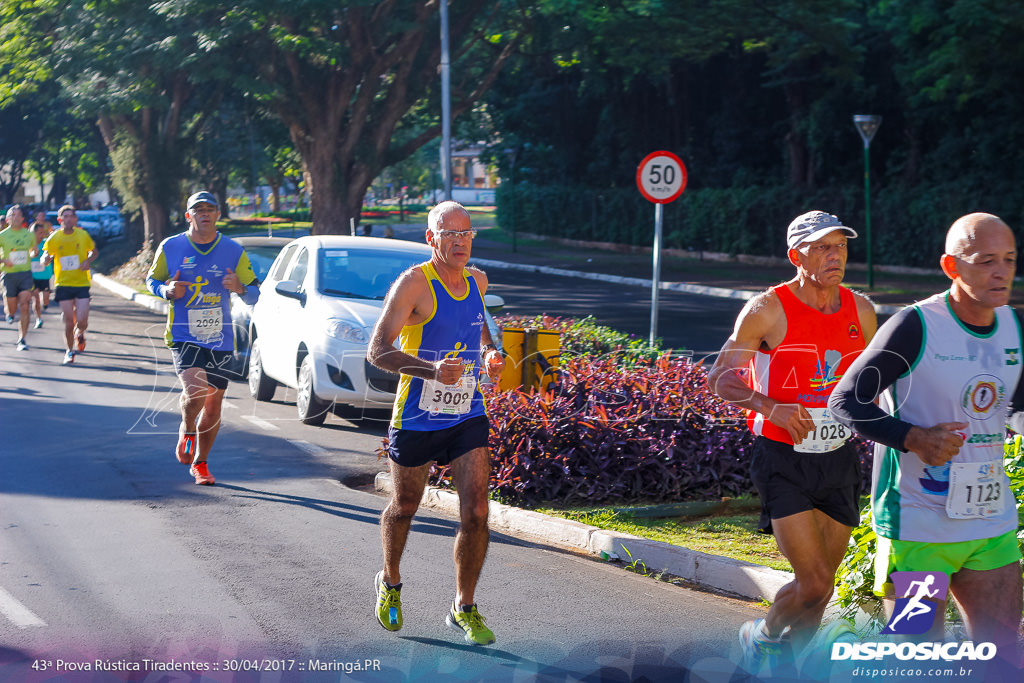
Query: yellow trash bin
x=531 y=358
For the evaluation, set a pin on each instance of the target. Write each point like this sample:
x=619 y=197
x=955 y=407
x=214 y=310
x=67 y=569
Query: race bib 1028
x=827 y=435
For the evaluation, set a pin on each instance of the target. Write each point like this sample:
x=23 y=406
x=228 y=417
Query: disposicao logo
x=915 y=611
x=919 y=597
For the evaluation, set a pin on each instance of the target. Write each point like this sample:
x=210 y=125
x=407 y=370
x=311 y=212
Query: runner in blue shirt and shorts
x=196 y=271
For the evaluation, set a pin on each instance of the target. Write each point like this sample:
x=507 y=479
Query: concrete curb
x=711 y=571
x=145 y=300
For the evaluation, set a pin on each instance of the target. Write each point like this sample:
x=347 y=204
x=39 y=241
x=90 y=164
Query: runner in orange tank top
x=788 y=349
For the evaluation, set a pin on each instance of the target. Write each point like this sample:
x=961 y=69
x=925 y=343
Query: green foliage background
x=757 y=99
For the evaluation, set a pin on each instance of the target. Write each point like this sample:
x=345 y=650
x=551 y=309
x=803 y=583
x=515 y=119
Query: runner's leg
x=67 y=313
x=194 y=390
x=82 y=314
x=990 y=602
x=24 y=297
x=396 y=518
x=470 y=474
x=209 y=422
x=814 y=544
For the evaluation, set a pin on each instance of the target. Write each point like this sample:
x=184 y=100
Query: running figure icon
x=914 y=606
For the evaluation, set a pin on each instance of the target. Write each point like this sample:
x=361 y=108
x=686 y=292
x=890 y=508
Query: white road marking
x=17 y=613
x=310 y=448
x=262 y=424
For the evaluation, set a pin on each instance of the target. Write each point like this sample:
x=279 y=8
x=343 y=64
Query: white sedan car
x=312 y=323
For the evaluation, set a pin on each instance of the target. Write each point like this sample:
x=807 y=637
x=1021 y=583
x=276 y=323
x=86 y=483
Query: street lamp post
x=867 y=125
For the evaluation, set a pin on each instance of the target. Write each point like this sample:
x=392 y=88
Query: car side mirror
x=290 y=289
x=493 y=303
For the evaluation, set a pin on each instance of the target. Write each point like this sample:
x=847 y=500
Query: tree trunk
x=58 y=191
x=154 y=223
x=275 y=196
x=220 y=190
x=330 y=197
x=801 y=172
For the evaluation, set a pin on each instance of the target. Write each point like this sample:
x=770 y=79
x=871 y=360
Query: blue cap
x=203 y=197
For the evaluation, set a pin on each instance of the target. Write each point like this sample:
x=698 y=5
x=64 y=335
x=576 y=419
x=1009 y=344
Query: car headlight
x=346 y=331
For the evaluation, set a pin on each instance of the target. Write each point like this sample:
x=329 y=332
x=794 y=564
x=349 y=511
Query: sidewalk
x=725 y=574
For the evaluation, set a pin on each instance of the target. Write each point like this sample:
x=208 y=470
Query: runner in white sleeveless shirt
x=948 y=372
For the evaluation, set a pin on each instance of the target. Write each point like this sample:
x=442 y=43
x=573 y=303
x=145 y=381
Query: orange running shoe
x=187 y=451
x=202 y=474
x=81 y=342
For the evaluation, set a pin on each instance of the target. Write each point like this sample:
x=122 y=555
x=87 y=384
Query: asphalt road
x=686 y=322
x=109 y=552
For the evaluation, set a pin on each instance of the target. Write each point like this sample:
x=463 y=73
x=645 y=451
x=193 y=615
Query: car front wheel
x=312 y=410
x=261 y=387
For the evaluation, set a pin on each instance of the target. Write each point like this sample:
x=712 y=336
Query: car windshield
x=362 y=273
x=261 y=258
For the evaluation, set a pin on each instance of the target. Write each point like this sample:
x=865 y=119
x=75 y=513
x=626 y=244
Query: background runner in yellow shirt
x=72 y=251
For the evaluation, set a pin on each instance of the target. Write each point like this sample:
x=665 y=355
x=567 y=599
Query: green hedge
x=908 y=224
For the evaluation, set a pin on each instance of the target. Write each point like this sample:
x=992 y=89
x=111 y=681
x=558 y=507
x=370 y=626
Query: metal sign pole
x=661 y=178
x=659 y=210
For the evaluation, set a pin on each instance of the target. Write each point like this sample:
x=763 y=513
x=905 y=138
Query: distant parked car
x=312 y=323
x=102 y=225
x=262 y=251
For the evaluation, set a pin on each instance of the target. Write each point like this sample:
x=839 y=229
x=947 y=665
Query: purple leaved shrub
x=650 y=433
x=626 y=427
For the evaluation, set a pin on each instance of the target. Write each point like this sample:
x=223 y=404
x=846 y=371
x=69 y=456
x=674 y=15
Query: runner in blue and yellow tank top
x=196 y=271
x=453 y=331
x=436 y=312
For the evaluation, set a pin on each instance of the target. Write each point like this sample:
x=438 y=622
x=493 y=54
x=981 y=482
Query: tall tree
x=356 y=82
x=136 y=70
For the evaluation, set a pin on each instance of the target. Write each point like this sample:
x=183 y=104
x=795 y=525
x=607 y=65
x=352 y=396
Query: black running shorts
x=188 y=355
x=790 y=482
x=14 y=284
x=65 y=293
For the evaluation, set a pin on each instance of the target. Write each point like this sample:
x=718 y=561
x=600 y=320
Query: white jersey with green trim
x=958 y=376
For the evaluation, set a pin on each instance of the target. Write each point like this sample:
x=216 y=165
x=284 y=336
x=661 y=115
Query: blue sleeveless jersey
x=203 y=315
x=453 y=330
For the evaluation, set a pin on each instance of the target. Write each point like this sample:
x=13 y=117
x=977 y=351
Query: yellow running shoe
x=389 y=603
x=471 y=624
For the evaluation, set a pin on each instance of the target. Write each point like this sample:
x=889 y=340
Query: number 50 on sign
x=661 y=177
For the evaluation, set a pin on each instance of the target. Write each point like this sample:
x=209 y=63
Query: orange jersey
x=806 y=366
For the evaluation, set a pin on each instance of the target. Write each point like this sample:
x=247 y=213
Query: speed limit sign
x=661 y=177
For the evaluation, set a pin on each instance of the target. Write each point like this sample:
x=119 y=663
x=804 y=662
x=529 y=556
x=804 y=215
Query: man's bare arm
x=400 y=310
x=760 y=322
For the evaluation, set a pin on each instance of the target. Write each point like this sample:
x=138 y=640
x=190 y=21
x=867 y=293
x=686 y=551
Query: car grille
x=380 y=380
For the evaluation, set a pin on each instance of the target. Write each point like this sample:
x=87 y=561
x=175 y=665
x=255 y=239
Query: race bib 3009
x=448 y=399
